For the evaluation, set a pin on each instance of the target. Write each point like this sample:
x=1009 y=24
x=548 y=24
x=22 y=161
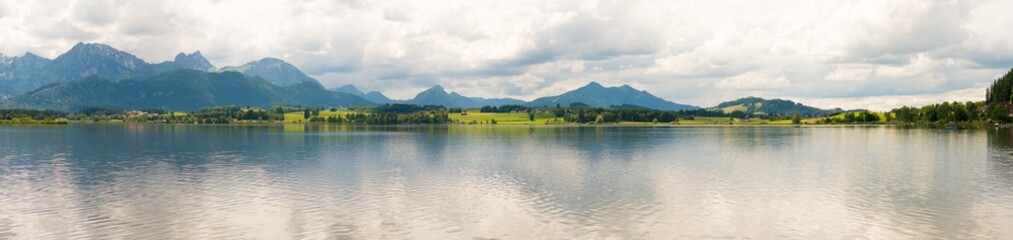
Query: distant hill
x=593 y=95
x=596 y=95
x=760 y=106
x=438 y=96
x=464 y=101
x=273 y=70
x=434 y=96
x=372 y=96
x=179 y=89
x=378 y=97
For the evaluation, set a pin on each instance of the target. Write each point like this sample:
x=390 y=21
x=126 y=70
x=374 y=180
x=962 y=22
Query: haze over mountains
x=97 y=75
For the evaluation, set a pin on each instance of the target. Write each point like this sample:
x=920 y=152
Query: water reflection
x=437 y=182
x=1001 y=153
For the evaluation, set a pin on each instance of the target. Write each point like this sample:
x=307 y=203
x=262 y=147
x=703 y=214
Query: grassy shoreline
x=471 y=117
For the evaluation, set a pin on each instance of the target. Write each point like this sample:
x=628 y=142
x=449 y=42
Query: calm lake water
x=459 y=182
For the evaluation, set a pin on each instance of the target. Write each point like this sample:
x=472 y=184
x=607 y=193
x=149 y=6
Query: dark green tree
x=998 y=113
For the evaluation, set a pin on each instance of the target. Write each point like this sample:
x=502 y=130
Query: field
x=33 y=122
x=840 y=116
x=737 y=121
x=473 y=116
x=707 y=120
x=297 y=117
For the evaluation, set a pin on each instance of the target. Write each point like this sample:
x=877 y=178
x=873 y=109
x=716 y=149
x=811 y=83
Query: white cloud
x=510 y=86
x=885 y=103
x=845 y=73
x=754 y=81
x=697 y=52
x=728 y=53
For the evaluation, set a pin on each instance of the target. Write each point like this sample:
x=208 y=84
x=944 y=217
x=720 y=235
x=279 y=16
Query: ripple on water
x=509 y=183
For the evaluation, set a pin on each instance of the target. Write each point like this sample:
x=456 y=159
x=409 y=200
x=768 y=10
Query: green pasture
x=298 y=117
x=473 y=116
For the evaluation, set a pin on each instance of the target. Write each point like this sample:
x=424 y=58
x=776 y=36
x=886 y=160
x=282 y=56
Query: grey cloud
x=98 y=12
x=589 y=38
x=64 y=29
x=4 y=10
x=148 y=19
x=523 y=48
x=992 y=61
x=911 y=29
x=395 y=14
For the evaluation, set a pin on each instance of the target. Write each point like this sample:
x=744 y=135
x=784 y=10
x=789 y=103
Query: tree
x=960 y=114
x=869 y=117
x=796 y=118
x=849 y=117
x=599 y=119
x=998 y=113
x=531 y=116
x=738 y=114
x=1000 y=90
x=667 y=117
x=306 y=114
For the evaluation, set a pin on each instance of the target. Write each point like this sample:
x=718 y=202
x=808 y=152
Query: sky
x=853 y=54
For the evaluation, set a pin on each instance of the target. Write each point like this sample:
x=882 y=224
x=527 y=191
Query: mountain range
x=29 y=72
x=97 y=75
x=180 y=89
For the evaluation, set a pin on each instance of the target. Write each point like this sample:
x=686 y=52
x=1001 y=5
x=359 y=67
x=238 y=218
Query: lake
x=140 y=181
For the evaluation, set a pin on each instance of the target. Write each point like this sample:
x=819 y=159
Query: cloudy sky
x=855 y=54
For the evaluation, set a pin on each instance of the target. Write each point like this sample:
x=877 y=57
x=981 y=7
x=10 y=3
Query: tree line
x=503 y=109
x=608 y=115
x=1001 y=90
x=23 y=116
x=947 y=112
x=387 y=114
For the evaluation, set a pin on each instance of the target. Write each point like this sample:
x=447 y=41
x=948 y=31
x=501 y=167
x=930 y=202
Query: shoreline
x=610 y=125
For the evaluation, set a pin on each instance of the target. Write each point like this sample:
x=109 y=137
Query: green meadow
x=473 y=116
x=299 y=117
